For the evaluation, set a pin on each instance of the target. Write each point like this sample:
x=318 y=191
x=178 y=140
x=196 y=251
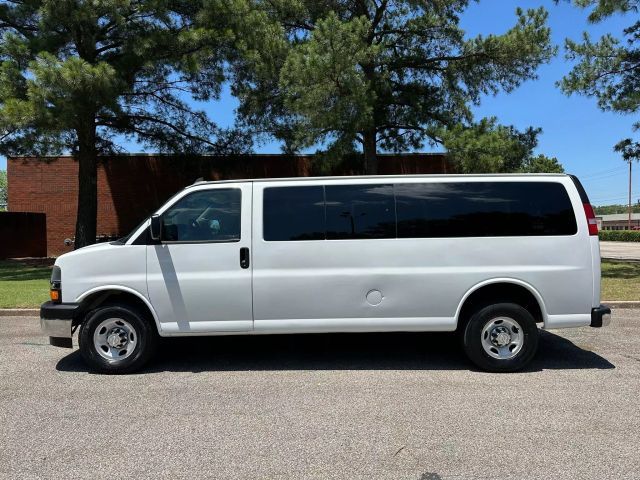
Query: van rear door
x=594 y=240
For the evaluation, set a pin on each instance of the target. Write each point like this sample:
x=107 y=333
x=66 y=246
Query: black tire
x=473 y=332
x=144 y=333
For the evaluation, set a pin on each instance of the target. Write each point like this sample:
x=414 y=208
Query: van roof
x=378 y=177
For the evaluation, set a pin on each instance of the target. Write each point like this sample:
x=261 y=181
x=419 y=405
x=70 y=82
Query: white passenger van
x=491 y=256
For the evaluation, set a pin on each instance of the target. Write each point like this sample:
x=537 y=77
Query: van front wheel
x=116 y=339
x=501 y=337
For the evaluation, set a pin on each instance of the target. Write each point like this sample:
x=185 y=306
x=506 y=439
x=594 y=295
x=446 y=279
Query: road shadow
x=623 y=269
x=26 y=269
x=369 y=351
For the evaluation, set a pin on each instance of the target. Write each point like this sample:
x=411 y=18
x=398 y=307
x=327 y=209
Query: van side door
x=199 y=274
x=327 y=259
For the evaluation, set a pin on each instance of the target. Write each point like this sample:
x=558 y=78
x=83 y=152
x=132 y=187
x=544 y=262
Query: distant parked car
x=491 y=256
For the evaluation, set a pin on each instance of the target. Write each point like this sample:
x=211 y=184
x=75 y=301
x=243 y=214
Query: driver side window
x=204 y=216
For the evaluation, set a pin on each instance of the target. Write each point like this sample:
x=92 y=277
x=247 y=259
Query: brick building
x=130 y=187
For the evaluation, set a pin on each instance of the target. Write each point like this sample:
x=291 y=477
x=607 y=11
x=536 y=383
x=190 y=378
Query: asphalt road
x=383 y=406
x=620 y=250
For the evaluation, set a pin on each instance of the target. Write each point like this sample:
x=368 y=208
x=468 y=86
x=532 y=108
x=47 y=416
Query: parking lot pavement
x=394 y=406
x=620 y=250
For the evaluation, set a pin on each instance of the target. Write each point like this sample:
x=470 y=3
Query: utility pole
x=629 y=222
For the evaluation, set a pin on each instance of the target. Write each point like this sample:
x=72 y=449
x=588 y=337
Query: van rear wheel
x=116 y=339
x=501 y=337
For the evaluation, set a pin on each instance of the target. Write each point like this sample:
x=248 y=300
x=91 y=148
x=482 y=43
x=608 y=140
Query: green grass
x=23 y=284
x=620 y=281
x=26 y=284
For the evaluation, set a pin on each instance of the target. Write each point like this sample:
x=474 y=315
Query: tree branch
x=148 y=118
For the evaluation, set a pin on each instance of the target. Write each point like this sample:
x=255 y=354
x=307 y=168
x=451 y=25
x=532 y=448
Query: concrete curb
x=622 y=304
x=19 y=312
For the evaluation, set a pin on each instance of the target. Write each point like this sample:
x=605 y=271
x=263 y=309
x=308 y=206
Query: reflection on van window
x=481 y=209
x=418 y=210
x=294 y=213
x=360 y=211
x=207 y=215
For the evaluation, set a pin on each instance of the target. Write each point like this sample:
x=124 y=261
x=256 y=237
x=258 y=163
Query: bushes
x=620 y=235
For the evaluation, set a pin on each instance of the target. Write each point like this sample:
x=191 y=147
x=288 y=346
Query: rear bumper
x=56 y=321
x=600 y=316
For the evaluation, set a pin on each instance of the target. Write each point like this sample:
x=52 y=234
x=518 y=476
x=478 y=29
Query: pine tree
x=76 y=73
x=370 y=75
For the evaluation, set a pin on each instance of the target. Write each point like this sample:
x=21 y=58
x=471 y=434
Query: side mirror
x=155 y=228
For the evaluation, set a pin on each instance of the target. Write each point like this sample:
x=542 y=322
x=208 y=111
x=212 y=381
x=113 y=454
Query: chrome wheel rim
x=502 y=338
x=115 y=339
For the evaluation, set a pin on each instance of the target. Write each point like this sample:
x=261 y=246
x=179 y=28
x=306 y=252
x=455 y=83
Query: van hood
x=88 y=250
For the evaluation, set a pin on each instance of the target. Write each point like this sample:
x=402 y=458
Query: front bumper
x=600 y=316
x=56 y=320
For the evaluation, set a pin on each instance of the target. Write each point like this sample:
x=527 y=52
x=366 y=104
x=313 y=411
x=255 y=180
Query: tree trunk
x=370 y=155
x=87 y=186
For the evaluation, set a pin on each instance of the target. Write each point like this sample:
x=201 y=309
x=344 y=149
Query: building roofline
x=619 y=216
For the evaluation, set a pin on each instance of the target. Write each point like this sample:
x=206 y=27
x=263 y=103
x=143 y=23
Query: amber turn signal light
x=55 y=295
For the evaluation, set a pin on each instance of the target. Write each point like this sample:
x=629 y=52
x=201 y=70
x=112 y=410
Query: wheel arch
x=97 y=296
x=505 y=289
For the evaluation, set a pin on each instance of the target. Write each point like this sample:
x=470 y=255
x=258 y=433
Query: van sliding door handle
x=244 y=257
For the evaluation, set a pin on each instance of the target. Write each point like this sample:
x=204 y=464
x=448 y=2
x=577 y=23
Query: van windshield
x=125 y=239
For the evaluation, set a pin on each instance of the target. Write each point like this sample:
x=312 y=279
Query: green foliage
x=370 y=75
x=541 y=164
x=607 y=68
x=487 y=147
x=3 y=189
x=325 y=72
x=614 y=209
x=123 y=67
x=605 y=8
x=75 y=73
x=620 y=235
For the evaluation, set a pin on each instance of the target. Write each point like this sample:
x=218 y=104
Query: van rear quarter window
x=482 y=209
x=417 y=210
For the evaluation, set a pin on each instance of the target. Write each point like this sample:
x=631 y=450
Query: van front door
x=199 y=275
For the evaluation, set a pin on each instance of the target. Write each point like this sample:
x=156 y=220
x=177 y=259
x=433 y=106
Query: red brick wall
x=131 y=187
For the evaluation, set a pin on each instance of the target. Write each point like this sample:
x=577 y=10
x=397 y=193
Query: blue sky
x=574 y=130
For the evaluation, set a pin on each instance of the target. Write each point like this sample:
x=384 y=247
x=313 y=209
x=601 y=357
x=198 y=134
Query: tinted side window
x=481 y=209
x=207 y=215
x=360 y=211
x=293 y=213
